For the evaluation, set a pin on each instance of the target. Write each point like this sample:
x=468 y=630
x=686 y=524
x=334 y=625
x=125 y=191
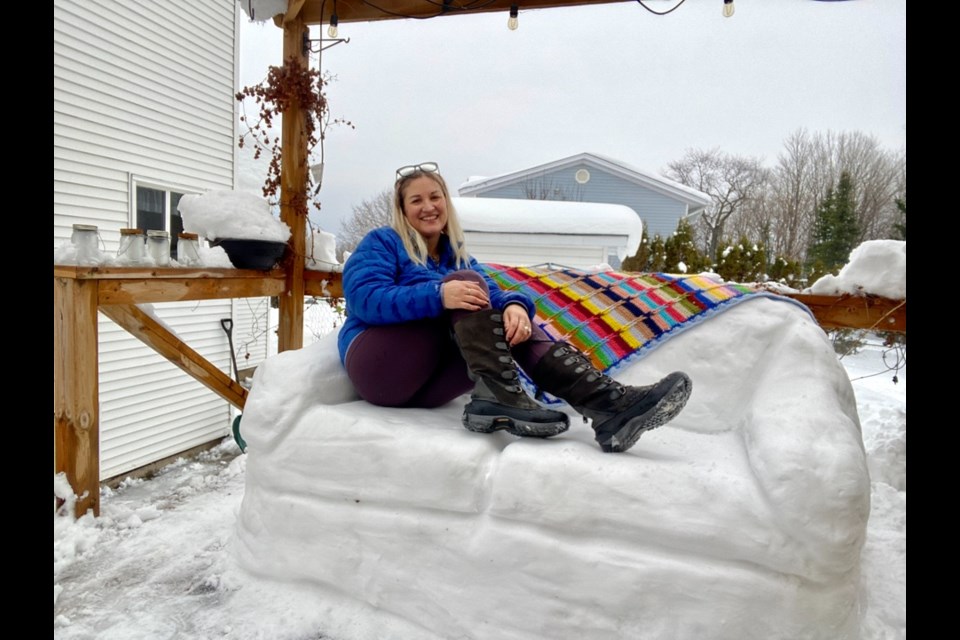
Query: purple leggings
x=418 y=364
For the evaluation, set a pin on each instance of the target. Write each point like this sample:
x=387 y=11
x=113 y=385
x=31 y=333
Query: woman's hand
x=463 y=294
x=517 y=323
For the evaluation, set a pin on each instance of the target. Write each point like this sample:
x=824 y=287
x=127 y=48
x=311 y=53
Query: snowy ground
x=157 y=563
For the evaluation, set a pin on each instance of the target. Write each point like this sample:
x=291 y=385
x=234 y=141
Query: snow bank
x=744 y=518
x=876 y=267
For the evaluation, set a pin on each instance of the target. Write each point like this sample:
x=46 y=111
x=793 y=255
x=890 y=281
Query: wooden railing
x=856 y=312
x=80 y=292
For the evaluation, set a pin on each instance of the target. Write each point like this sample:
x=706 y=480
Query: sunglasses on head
x=409 y=170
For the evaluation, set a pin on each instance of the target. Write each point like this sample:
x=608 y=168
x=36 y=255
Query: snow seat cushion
x=742 y=518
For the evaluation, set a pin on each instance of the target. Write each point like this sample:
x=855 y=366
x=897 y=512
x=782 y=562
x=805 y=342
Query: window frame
x=136 y=182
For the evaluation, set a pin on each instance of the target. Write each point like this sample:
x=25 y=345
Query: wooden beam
x=293 y=196
x=293 y=10
x=76 y=403
x=856 y=312
x=160 y=273
x=317 y=11
x=322 y=284
x=128 y=291
x=156 y=336
x=130 y=285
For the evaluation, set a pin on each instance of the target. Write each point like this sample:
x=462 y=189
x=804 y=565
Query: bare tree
x=368 y=215
x=876 y=174
x=798 y=183
x=730 y=181
x=546 y=188
x=810 y=165
x=756 y=220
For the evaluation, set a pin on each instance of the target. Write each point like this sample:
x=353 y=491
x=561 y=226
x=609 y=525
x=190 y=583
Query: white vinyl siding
x=144 y=89
x=144 y=93
x=251 y=317
x=149 y=409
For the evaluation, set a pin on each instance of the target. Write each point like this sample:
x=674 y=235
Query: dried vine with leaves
x=291 y=84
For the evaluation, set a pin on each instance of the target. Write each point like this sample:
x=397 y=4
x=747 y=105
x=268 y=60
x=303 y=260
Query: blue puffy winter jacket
x=382 y=285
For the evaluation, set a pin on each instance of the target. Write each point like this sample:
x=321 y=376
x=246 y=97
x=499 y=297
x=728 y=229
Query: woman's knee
x=468 y=275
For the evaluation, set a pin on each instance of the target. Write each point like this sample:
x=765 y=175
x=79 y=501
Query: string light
x=447 y=7
x=513 y=21
x=332 y=29
x=662 y=13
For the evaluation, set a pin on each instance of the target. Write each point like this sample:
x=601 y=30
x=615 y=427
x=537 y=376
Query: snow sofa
x=743 y=518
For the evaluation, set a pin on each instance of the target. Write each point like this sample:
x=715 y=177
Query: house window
x=156 y=208
x=582 y=176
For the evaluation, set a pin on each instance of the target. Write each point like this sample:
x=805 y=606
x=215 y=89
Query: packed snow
x=743 y=518
x=877 y=267
x=761 y=481
x=322 y=251
x=513 y=215
x=217 y=215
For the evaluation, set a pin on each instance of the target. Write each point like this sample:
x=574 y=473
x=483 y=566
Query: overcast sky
x=482 y=100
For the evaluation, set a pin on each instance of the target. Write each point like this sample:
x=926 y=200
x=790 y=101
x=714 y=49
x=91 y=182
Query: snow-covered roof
x=696 y=199
x=512 y=215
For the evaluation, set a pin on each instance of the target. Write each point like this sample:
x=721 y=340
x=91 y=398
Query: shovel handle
x=227 y=324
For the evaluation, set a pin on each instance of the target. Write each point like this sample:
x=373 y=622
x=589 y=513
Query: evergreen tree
x=786 y=272
x=835 y=230
x=680 y=251
x=658 y=256
x=641 y=259
x=742 y=261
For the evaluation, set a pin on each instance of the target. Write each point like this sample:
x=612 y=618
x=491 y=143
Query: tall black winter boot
x=620 y=413
x=498 y=401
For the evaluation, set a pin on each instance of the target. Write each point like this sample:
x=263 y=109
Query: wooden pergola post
x=76 y=402
x=293 y=190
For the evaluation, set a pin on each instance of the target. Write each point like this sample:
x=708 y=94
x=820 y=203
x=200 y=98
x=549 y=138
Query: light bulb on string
x=727 y=8
x=332 y=29
x=513 y=21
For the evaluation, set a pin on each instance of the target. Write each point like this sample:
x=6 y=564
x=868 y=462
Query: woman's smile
x=425 y=208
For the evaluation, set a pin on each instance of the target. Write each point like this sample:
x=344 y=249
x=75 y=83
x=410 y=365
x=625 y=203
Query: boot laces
x=584 y=364
x=509 y=371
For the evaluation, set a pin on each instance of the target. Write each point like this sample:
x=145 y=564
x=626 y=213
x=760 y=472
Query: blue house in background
x=591 y=177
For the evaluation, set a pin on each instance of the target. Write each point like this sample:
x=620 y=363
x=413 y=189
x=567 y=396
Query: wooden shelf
x=134 y=285
x=79 y=293
x=856 y=312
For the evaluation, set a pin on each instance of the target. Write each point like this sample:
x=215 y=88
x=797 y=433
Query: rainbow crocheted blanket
x=614 y=317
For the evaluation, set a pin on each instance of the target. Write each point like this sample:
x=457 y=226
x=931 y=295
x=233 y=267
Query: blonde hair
x=412 y=241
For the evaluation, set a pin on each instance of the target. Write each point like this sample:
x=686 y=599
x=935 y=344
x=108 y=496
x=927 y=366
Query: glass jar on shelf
x=158 y=247
x=132 y=247
x=188 y=250
x=86 y=239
